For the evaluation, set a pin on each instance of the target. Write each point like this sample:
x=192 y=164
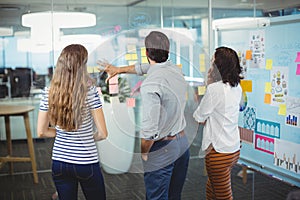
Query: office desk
x=7 y=111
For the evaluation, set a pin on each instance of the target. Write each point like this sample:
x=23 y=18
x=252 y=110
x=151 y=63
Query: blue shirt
x=163 y=95
x=77 y=147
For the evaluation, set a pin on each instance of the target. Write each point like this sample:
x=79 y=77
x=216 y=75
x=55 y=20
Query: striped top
x=77 y=147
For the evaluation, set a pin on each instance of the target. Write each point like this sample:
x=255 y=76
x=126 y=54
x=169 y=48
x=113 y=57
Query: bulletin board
x=270 y=120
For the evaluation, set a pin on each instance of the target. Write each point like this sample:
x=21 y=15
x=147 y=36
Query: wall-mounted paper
x=246 y=85
x=267 y=99
x=134 y=56
x=264 y=143
x=282 y=109
x=113 y=80
x=269 y=64
x=268 y=87
x=130 y=102
x=298 y=70
x=143 y=51
x=248 y=54
x=128 y=57
x=201 y=90
x=113 y=89
x=298 y=57
x=279 y=83
x=144 y=60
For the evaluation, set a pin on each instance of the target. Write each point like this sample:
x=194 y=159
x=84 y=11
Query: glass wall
x=115 y=32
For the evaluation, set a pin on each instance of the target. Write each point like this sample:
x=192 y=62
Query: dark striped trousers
x=218 y=166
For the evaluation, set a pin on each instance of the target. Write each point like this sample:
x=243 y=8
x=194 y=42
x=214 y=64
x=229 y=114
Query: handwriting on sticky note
x=246 y=85
x=282 y=109
x=267 y=99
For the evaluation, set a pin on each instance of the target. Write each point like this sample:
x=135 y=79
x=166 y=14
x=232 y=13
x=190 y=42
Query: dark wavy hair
x=157 y=46
x=227 y=63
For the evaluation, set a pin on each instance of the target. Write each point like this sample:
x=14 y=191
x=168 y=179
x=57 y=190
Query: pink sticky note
x=298 y=57
x=113 y=80
x=113 y=89
x=99 y=91
x=298 y=70
x=130 y=102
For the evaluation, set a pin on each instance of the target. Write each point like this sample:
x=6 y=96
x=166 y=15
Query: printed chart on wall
x=269 y=122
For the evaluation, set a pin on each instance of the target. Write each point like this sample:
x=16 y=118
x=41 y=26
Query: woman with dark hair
x=218 y=112
x=72 y=105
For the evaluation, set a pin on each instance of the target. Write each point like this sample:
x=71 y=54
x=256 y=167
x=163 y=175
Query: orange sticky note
x=179 y=65
x=248 y=54
x=246 y=85
x=267 y=99
x=282 y=109
x=130 y=102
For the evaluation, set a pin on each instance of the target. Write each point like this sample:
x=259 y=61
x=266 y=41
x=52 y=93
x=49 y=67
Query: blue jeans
x=66 y=177
x=166 y=168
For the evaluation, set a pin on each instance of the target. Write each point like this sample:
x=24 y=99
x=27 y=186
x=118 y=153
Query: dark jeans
x=166 y=168
x=66 y=177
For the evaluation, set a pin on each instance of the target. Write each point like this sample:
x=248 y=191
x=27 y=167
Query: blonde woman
x=71 y=105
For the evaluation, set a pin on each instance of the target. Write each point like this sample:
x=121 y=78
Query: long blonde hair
x=68 y=88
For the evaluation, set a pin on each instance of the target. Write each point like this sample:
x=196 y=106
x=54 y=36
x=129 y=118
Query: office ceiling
x=12 y=10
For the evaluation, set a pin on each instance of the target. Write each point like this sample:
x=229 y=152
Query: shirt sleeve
x=44 y=100
x=93 y=99
x=205 y=107
x=150 y=95
x=141 y=69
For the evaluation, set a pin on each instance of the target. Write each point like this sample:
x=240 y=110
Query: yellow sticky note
x=201 y=90
x=202 y=62
x=143 y=51
x=128 y=57
x=267 y=99
x=282 y=109
x=248 y=55
x=246 y=85
x=131 y=48
x=144 y=60
x=202 y=56
x=202 y=68
x=268 y=87
x=269 y=64
x=134 y=56
x=90 y=69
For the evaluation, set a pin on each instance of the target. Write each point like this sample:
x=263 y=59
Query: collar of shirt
x=157 y=66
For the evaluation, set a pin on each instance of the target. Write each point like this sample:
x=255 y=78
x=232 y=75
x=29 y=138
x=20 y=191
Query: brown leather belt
x=173 y=137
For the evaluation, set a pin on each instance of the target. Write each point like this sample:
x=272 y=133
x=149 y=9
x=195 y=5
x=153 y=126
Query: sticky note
x=202 y=56
x=201 y=90
x=267 y=99
x=268 y=87
x=113 y=80
x=202 y=68
x=99 y=91
x=179 y=65
x=143 y=51
x=248 y=54
x=134 y=56
x=144 y=60
x=269 y=64
x=298 y=57
x=131 y=48
x=128 y=57
x=113 y=89
x=130 y=102
x=90 y=69
x=282 y=109
x=246 y=85
x=298 y=70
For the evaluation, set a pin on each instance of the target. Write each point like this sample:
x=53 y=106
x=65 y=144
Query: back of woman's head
x=69 y=87
x=227 y=62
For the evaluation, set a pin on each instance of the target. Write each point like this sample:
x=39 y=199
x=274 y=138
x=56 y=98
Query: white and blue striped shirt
x=77 y=147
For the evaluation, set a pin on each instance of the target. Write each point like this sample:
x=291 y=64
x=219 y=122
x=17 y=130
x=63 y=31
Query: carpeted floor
x=20 y=186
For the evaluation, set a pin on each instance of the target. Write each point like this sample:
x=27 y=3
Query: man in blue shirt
x=164 y=147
